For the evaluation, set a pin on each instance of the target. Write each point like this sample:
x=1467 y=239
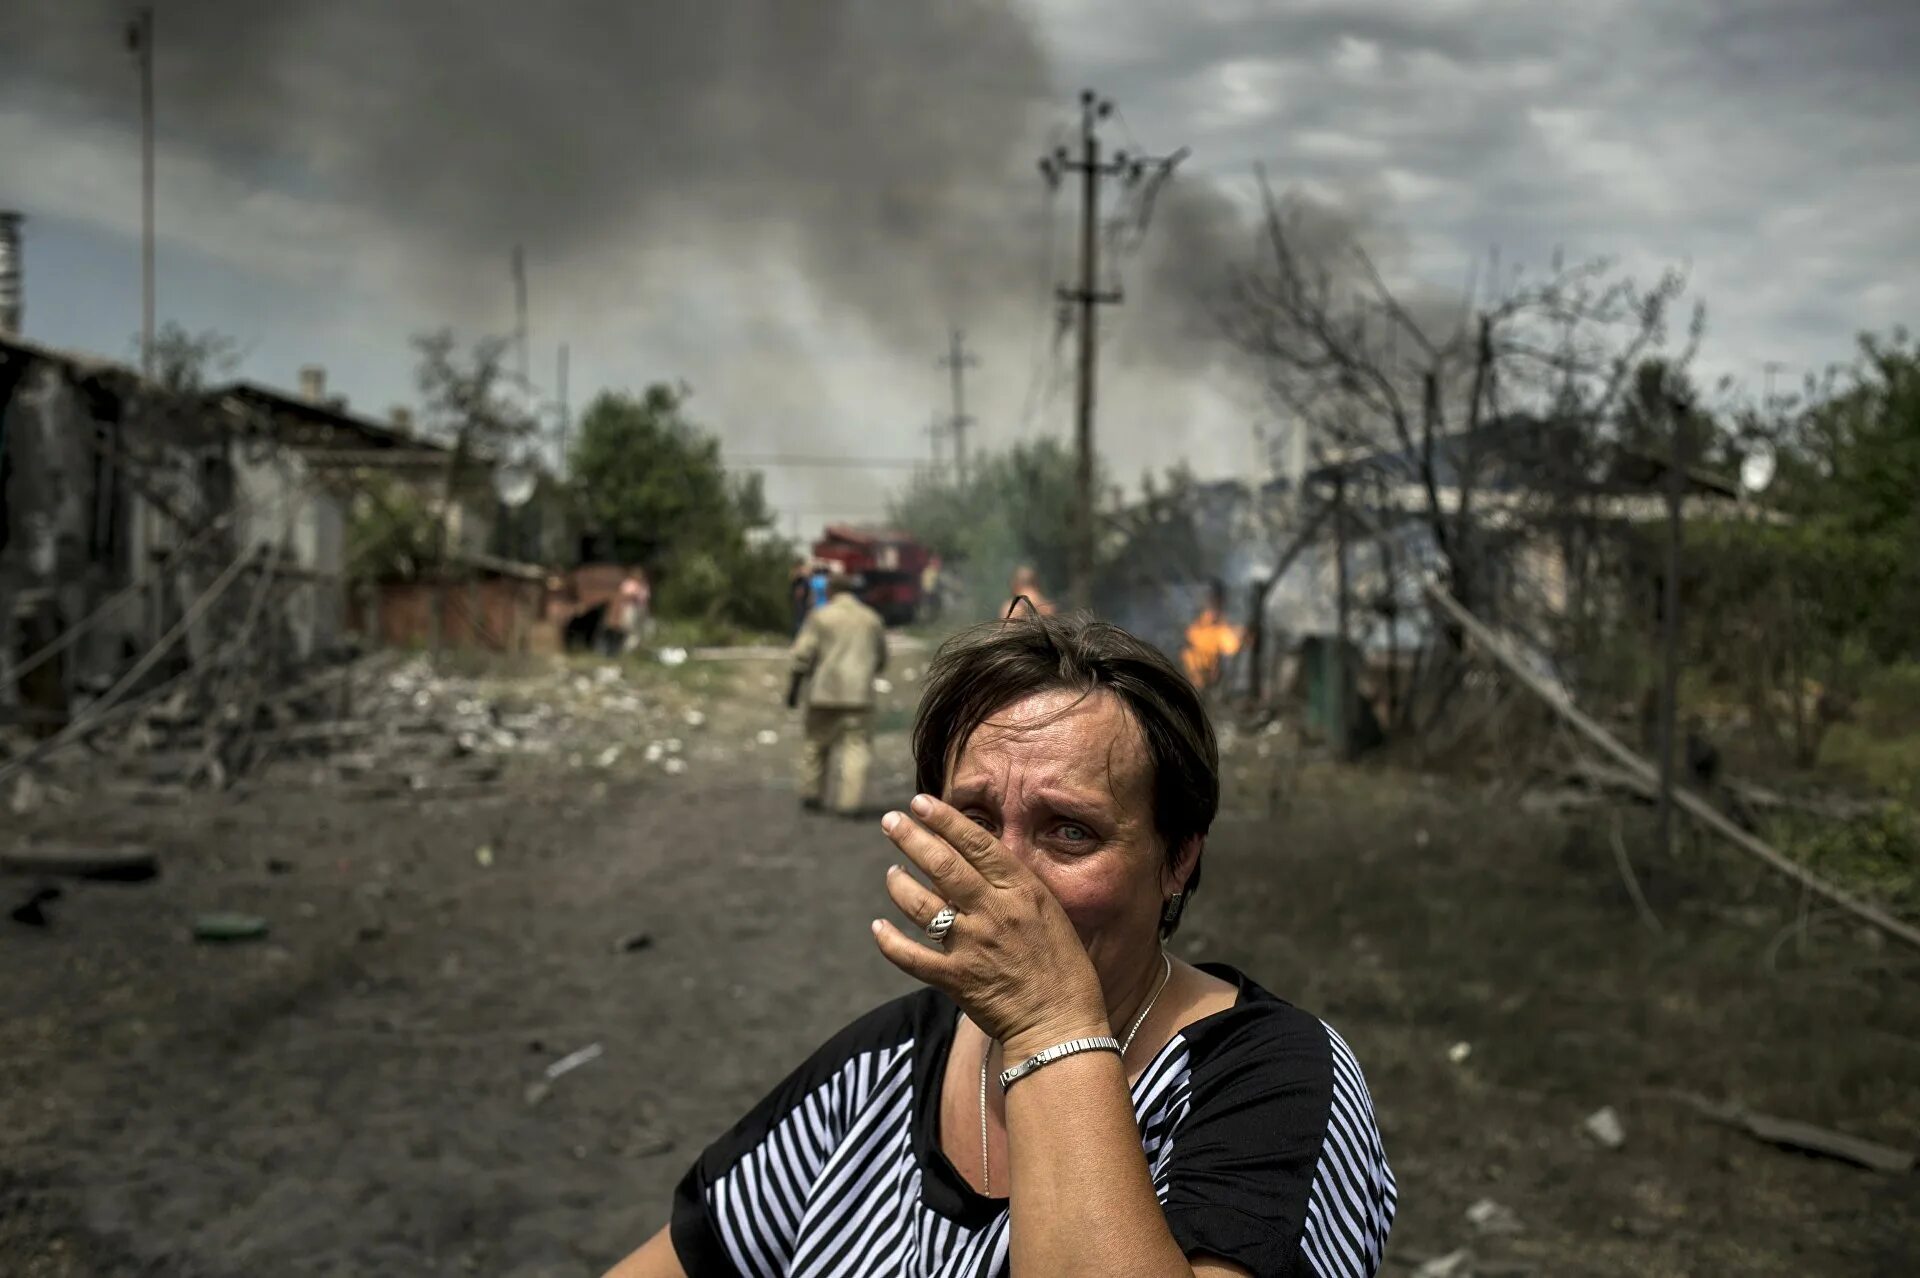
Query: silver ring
x=941 y=924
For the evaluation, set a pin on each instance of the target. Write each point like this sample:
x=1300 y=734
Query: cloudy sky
x=787 y=205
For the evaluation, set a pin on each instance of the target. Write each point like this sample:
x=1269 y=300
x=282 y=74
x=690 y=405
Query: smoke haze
x=819 y=188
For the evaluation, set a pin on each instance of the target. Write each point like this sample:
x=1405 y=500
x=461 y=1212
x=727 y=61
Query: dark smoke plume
x=881 y=151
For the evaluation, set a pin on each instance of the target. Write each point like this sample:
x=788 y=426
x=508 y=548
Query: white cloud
x=1356 y=57
x=90 y=173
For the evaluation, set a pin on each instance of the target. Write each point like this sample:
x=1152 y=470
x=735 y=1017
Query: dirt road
x=363 y=1091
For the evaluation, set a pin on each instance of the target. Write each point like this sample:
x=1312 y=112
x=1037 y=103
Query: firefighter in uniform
x=840 y=648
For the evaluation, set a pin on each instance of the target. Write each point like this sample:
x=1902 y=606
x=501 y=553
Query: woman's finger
x=912 y=896
x=928 y=966
x=980 y=849
x=953 y=876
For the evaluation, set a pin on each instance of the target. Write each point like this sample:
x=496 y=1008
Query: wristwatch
x=1047 y=1057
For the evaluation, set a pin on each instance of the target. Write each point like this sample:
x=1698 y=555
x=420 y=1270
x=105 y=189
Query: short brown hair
x=987 y=668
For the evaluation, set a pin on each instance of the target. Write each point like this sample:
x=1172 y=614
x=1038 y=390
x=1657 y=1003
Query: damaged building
x=145 y=523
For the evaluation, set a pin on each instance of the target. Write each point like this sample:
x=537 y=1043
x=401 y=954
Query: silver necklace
x=986 y=1176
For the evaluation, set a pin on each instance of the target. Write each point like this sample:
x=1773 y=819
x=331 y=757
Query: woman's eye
x=1073 y=832
x=982 y=820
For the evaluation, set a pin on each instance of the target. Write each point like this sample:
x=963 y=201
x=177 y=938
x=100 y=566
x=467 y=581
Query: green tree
x=469 y=405
x=1806 y=603
x=391 y=530
x=650 y=485
x=1015 y=508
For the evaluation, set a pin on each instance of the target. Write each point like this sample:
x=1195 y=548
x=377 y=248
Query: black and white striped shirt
x=1256 y=1124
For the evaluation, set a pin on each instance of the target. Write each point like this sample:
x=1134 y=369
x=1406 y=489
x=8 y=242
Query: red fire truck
x=887 y=564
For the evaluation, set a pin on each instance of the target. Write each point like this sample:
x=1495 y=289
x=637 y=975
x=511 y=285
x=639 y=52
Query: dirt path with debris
x=363 y=1091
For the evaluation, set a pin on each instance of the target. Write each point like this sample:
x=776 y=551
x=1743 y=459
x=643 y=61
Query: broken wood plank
x=124 y=864
x=1646 y=778
x=1791 y=1133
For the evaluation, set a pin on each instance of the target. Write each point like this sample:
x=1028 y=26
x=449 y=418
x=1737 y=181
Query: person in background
x=1210 y=640
x=800 y=595
x=840 y=649
x=1027 y=582
x=819 y=586
x=930 y=589
x=635 y=609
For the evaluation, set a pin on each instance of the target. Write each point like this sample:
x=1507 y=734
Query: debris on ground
x=221 y=927
x=633 y=941
x=388 y=725
x=539 y=1089
x=483 y=855
x=31 y=911
x=1459 y=1052
x=1490 y=1217
x=1455 y=1264
x=574 y=1060
x=116 y=864
x=1604 y=1126
x=1789 y=1133
x=26 y=798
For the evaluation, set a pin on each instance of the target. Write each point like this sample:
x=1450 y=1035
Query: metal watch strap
x=1047 y=1057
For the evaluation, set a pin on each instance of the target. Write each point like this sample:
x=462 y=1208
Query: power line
x=851 y=463
x=1044 y=371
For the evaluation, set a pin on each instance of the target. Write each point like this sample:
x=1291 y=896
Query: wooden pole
x=1342 y=692
x=1080 y=582
x=1670 y=626
x=142 y=37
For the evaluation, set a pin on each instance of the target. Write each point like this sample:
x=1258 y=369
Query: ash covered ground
x=492 y=874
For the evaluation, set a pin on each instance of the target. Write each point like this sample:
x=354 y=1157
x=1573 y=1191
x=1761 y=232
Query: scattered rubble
x=539 y=1089
x=392 y=725
x=1455 y=1264
x=31 y=911
x=1490 y=1217
x=1604 y=1126
x=223 y=927
x=123 y=864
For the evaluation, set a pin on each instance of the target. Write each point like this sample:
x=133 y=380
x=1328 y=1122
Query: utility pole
x=1087 y=296
x=935 y=429
x=1343 y=684
x=566 y=410
x=520 y=316
x=140 y=41
x=957 y=360
x=1670 y=619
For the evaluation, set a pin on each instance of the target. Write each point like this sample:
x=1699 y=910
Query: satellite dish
x=514 y=485
x=1758 y=466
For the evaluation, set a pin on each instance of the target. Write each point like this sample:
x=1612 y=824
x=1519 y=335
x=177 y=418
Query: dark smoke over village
x=850 y=164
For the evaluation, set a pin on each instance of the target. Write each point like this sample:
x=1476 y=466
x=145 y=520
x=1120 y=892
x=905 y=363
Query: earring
x=1170 y=916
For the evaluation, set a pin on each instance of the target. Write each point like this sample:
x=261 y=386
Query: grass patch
x=1876 y=856
x=700 y=632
